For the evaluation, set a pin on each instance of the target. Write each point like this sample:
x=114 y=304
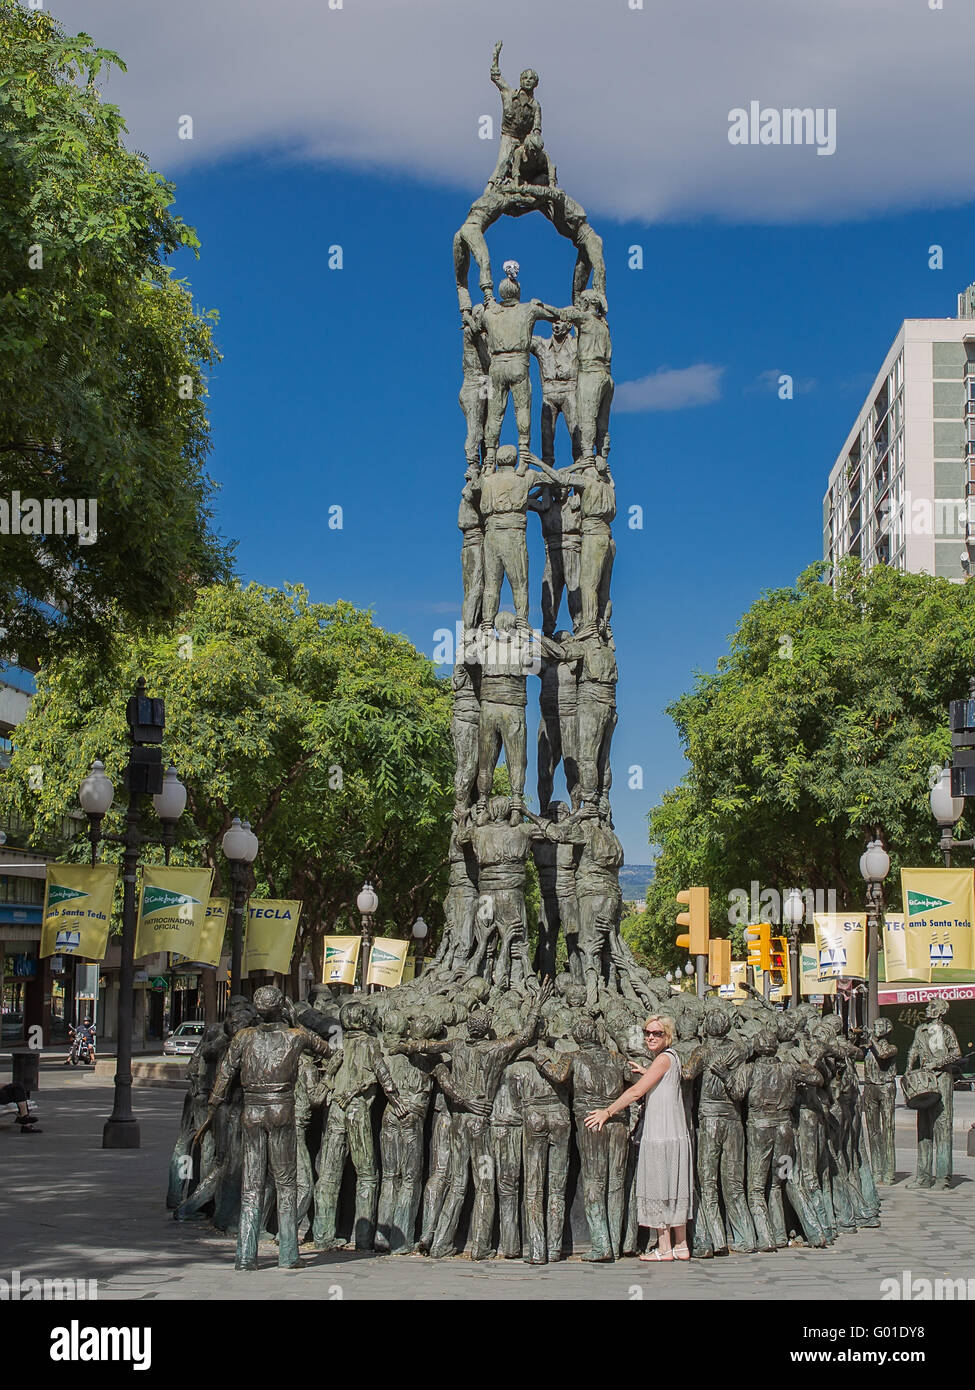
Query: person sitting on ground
x=14 y=1094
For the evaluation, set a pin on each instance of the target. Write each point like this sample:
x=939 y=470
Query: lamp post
x=793 y=911
x=240 y=846
x=874 y=866
x=420 y=930
x=367 y=902
x=947 y=811
x=143 y=776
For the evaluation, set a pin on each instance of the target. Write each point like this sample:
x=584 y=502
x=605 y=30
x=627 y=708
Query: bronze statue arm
x=226 y=1072
x=459 y=1098
x=695 y=1063
x=556 y=1072
x=410 y=1049
x=883 y=1051
x=496 y=77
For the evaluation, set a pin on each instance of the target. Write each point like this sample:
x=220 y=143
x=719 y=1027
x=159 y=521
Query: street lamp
x=240 y=846
x=143 y=776
x=793 y=911
x=874 y=867
x=367 y=902
x=420 y=930
x=947 y=811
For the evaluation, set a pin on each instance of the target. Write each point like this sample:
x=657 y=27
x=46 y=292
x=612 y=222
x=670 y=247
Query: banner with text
x=841 y=944
x=340 y=959
x=78 y=909
x=270 y=939
x=210 y=948
x=895 y=951
x=939 y=905
x=172 y=909
x=809 y=981
x=386 y=961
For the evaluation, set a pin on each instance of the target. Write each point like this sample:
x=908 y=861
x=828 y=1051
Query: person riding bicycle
x=82 y=1036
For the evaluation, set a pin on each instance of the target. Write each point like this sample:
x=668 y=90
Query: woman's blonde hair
x=666 y=1023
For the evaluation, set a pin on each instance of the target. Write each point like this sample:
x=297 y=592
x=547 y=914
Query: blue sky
x=340 y=386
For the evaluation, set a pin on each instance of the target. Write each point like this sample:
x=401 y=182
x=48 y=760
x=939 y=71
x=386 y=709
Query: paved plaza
x=70 y=1209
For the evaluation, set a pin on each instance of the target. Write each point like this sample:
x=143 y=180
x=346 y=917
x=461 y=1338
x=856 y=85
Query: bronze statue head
x=585 y=1031
x=528 y=80
x=269 y=1003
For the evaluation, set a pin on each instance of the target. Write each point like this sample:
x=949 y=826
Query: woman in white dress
x=665 y=1175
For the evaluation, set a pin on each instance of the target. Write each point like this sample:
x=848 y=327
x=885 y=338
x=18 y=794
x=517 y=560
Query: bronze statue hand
x=480 y=1106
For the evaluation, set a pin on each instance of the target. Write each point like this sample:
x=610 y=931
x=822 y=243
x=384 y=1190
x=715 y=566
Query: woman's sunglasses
x=653 y=1033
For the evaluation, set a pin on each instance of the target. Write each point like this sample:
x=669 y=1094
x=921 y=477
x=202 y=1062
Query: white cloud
x=670 y=390
x=636 y=102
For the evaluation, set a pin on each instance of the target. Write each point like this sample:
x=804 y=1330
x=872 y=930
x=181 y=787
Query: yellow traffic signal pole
x=696 y=940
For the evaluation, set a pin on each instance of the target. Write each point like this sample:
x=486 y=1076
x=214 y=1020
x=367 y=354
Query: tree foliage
x=817 y=729
x=331 y=735
x=102 y=356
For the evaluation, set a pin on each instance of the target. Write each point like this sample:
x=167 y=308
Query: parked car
x=184 y=1040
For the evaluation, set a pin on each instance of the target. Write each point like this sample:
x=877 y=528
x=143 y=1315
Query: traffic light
x=779 y=961
x=758 y=940
x=697 y=919
x=719 y=961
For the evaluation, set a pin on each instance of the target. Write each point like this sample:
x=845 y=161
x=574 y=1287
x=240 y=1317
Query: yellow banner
x=841 y=942
x=341 y=959
x=733 y=992
x=271 y=927
x=386 y=961
x=939 y=906
x=895 y=951
x=172 y=909
x=210 y=948
x=809 y=981
x=78 y=909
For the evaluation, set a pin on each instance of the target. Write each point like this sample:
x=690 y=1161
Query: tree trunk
x=209 y=983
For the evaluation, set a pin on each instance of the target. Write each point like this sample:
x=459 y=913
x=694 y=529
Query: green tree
x=102 y=358
x=331 y=735
x=817 y=729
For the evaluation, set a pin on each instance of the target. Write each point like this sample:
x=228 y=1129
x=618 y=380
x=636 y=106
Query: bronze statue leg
x=473 y=402
x=521 y=395
x=489 y=739
x=433 y=1194
x=740 y=1228
x=536 y=1141
x=363 y=1154
x=391 y=1156
x=553 y=585
x=618 y=1147
x=514 y=553
x=283 y=1162
x=331 y=1163
x=548 y=758
x=594 y=1162
x=507 y=1157
x=472 y=575
x=460 y=1163
x=255 y=1169
x=482 y=1165
x=514 y=737
x=306 y=1178
x=761 y=1143
x=559 y=1131
x=411 y=1186
x=708 y=1157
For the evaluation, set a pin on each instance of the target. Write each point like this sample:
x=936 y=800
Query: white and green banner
x=172 y=909
x=939 y=907
x=386 y=961
x=841 y=944
x=78 y=909
x=271 y=927
x=340 y=959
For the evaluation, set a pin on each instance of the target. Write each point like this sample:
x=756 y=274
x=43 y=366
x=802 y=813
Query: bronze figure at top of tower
x=521 y=155
x=524 y=180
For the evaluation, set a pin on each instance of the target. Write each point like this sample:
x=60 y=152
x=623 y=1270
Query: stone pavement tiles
x=70 y=1209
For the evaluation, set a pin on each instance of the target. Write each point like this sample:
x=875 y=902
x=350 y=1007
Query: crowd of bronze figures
x=458 y=1108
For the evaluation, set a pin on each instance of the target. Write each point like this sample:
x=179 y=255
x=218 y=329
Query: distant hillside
x=634 y=881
